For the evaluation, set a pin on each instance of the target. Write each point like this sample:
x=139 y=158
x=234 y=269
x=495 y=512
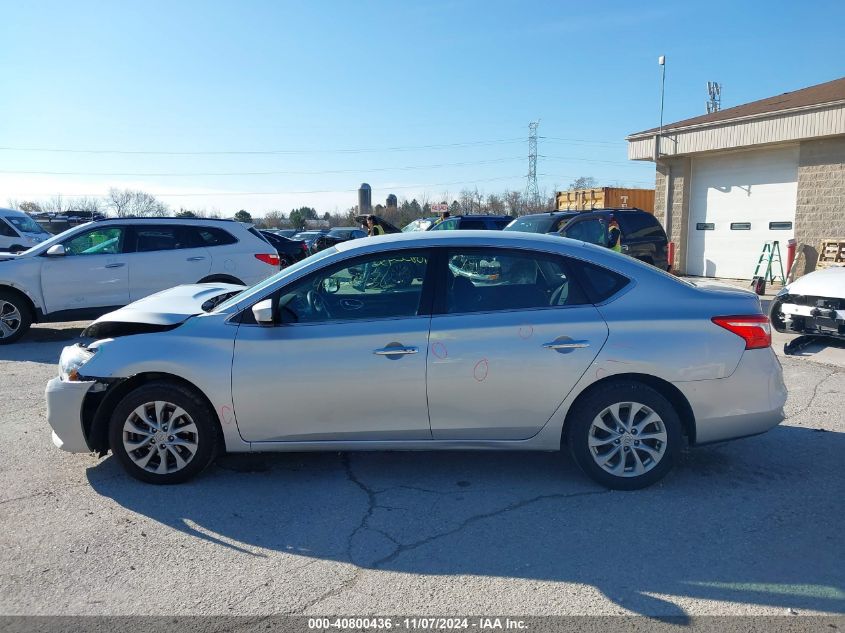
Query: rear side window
x=639 y=226
x=210 y=236
x=472 y=225
x=600 y=283
x=500 y=223
x=491 y=280
x=159 y=238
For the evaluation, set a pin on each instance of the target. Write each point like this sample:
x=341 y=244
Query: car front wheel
x=625 y=435
x=14 y=317
x=163 y=433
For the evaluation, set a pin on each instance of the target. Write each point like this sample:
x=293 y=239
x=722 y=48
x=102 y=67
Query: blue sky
x=424 y=98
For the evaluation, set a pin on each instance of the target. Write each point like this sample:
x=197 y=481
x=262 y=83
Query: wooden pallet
x=831 y=253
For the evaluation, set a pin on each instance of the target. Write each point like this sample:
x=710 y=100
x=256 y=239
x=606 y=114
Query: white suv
x=96 y=267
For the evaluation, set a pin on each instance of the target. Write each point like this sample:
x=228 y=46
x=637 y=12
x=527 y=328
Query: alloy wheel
x=627 y=439
x=10 y=319
x=160 y=437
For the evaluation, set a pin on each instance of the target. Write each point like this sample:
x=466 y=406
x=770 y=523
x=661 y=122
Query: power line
x=262 y=173
x=261 y=152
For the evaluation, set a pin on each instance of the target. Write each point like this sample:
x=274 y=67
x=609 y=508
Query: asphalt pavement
x=744 y=528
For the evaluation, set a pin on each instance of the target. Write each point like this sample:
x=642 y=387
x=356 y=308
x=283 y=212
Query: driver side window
x=379 y=286
x=104 y=241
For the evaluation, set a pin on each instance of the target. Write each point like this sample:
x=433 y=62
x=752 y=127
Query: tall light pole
x=662 y=61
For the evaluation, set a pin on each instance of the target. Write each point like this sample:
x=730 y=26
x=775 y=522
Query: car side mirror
x=56 y=250
x=263 y=312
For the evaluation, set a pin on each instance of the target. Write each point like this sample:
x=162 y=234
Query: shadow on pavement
x=757 y=521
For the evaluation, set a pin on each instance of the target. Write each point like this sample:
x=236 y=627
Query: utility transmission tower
x=532 y=192
x=714 y=90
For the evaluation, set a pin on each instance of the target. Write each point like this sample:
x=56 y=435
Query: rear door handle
x=566 y=344
x=395 y=351
x=199 y=258
x=116 y=265
x=352 y=304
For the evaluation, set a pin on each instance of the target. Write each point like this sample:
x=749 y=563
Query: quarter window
x=637 y=226
x=104 y=241
x=6 y=230
x=373 y=287
x=210 y=236
x=486 y=280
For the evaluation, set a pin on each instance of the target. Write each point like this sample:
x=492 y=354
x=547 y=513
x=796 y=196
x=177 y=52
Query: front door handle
x=396 y=351
x=116 y=265
x=624 y=247
x=566 y=344
x=199 y=258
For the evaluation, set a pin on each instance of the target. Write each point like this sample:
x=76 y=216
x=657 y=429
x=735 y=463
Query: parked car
x=94 y=268
x=284 y=232
x=290 y=251
x=643 y=237
x=310 y=239
x=345 y=233
x=423 y=224
x=473 y=222
x=564 y=351
x=18 y=231
x=813 y=304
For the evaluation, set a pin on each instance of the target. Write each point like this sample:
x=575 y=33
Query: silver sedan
x=426 y=341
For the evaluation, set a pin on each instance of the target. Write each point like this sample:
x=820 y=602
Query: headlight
x=783 y=292
x=73 y=357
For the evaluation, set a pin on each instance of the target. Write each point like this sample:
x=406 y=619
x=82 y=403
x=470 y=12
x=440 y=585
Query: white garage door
x=739 y=201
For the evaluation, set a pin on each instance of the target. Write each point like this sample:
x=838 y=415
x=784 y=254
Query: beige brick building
x=735 y=179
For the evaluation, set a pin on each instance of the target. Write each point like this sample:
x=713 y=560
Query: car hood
x=162 y=311
x=829 y=282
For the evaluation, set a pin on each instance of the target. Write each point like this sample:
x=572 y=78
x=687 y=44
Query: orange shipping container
x=605 y=198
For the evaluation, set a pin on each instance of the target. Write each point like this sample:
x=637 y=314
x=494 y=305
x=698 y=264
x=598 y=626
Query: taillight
x=754 y=329
x=268 y=258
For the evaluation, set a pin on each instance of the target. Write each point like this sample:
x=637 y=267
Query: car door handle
x=395 y=351
x=352 y=304
x=116 y=265
x=199 y=258
x=624 y=247
x=566 y=344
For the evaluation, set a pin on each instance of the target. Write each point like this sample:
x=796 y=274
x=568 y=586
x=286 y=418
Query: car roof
x=4 y=211
x=482 y=215
x=548 y=214
x=168 y=220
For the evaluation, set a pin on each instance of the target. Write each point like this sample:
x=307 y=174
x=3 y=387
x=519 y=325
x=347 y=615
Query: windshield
x=417 y=225
x=535 y=223
x=24 y=224
x=285 y=272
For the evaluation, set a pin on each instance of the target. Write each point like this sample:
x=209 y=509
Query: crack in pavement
x=816 y=388
x=372 y=505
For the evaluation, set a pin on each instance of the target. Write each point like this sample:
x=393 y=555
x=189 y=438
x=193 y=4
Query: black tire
x=206 y=438
x=223 y=279
x=776 y=316
x=625 y=392
x=16 y=316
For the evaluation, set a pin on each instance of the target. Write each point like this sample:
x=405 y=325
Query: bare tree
x=584 y=182
x=466 y=199
x=495 y=204
x=274 y=219
x=125 y=202
x=514 y=202
x=28 y=206
x=56 y=204
x=88 y=205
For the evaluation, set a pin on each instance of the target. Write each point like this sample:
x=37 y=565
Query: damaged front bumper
x=820 y=316
x=64 y=413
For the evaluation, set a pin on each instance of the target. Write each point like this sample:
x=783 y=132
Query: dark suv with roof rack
x=643 y=237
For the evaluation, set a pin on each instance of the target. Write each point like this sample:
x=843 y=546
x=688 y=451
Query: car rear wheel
x=163 y=433
x=625 y=435
x=15 y=317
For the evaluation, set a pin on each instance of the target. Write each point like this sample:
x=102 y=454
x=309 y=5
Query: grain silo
x=365 y=198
